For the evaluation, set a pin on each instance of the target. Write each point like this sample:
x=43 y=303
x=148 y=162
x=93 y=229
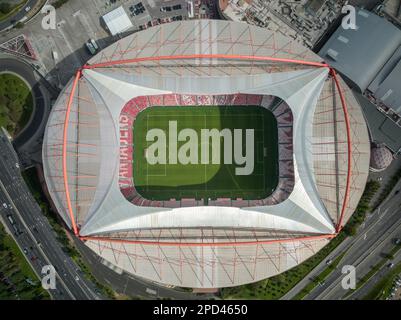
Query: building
x=117 y=21
x=323 y=154
x=370 y=59
x=305 y=21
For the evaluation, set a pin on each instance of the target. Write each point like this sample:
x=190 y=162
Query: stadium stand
x=278 y=107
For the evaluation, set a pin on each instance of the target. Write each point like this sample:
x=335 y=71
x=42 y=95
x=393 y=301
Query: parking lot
x=63 y=50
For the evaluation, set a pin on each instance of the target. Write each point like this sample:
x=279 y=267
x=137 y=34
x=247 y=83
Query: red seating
x=189 y=100
x=171 y=100
x=136 y=105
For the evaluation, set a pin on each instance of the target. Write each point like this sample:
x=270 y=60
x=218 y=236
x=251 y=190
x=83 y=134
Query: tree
x=350 y=230
x=5 y=7
x=19 y=25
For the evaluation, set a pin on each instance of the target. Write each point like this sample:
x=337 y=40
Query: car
x=90 y=48
x=76 y=278
x=55 y=55
x=25 y=250
x=94 y=43
x=329 y=262
x=397 y=241
x=390 y=265
x=27 y=9
x=10 y=218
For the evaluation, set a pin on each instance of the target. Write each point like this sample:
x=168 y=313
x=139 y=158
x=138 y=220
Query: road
x=375 y=238
x=26 y=72
x=18 y=16
x=365 y=290
x=29 y=141
x=368 y=233
x=37 y=235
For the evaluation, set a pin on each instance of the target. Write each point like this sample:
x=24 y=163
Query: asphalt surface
x=37 y=235
x=26 y=72
x=366 y=289
x=29 y=142
x=17 y=16
x=369 y=233
x=376 y=237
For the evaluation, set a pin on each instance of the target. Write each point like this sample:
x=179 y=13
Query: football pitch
x=167 y=179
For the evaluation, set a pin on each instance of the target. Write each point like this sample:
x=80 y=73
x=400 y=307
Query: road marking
x=383 y=214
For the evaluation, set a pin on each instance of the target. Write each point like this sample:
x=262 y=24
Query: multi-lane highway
x=375 y=279
x=33 y=232
x=375 y=238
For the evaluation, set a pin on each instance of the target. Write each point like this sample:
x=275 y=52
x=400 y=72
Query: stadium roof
x=212 y=246
x=117 y=21
x=361 y=54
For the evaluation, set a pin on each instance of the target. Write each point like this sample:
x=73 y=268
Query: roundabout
x=27 y=141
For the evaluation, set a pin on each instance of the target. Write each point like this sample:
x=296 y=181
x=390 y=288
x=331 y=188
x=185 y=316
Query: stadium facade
x=324 y=153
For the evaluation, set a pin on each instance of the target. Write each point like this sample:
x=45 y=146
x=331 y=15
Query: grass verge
x=17 y=279
x=16 y=103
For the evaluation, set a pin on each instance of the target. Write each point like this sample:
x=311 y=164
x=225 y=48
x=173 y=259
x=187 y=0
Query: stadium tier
x=239 y=195
x=206 y=154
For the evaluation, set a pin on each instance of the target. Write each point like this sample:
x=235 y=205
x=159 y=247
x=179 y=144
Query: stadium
x=206 y=154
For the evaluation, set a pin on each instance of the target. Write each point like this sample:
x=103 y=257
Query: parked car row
x=171 y=8
x=137 y=9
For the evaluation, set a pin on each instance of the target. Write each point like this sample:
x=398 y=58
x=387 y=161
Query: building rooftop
x=117 y=21
x=361 y=54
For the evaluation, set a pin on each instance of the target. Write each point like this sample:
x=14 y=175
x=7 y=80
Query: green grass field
x=16 y=103
x=207 y=181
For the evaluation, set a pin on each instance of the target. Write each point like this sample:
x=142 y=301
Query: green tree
x=5 y=7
